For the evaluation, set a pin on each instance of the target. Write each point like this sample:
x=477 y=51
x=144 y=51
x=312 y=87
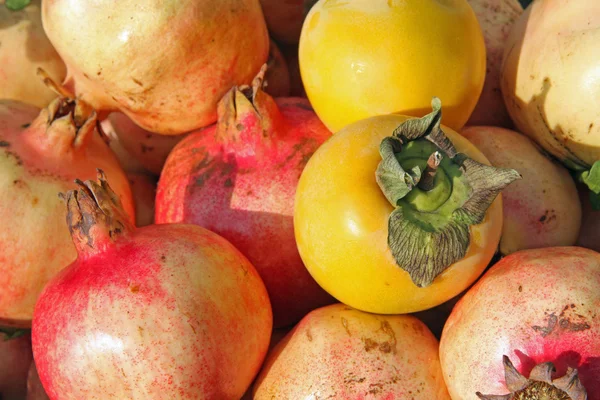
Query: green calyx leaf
x=12 y=333
x=16 y=5
x=438 y=194
x=591 y=178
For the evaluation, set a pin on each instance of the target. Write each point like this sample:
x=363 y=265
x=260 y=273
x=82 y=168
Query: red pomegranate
x=534 y=306
x=41 y=153
x=239 y=178
x=164 y=64
x=167 y=311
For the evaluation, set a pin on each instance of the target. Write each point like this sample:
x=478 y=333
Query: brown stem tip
x=428 y=178
x=539 y=385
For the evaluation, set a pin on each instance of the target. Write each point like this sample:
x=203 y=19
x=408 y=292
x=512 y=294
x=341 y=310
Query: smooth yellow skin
x=361 y=58
x=341 y=218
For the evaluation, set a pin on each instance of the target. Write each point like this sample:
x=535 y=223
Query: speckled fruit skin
x=25 y=48
x=340 y=353
x=241 y=185
x=38 y=163
x=533 y=306
x=549 y=78
x=165 y=64
x=167 y=312
x=15 y=358
x=540 y=210
x=35 y=390
x=495 y=17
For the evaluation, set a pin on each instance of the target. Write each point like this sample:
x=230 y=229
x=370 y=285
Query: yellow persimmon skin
x=361 y=58
x=341 y=226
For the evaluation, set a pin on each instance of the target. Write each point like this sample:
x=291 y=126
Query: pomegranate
x=25 y=48
x=35 y=390
x=540 y=210
x=167 y=311
x=41 y=153
x=147 y=148
x=337 y=352
x=239 y=179
x=277 y=78
x=143 y=187
x=15 y=357
x=540 y=384
x=127 y=161
x=534 y=306
x=164 y=65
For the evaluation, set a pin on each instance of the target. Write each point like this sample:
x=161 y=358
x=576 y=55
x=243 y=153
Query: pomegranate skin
x=533 y=306
x=167 y=311
x=239 y=178
x=38 y=160
x=337 y=352
x=164 y=64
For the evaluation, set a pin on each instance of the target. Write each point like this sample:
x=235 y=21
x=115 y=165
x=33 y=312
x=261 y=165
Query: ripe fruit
x=24 y=49
x=146 y=313
x=550 y=78
x=384 y=229
x=239 y=178
x=534 y=306
x=41 y=153
x=284 y=18
x=363 y=58
x=165 y=65
x=338 y=352
x=542 y=209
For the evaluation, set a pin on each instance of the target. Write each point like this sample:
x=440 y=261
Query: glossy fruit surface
x=338 y=352
x=41 y=153
x=165 y=311
x=341 y=223
x=361 y=58
x=239 y=179
x=164 y=64
x=533 y=306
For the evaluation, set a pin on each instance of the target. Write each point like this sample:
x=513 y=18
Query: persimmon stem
x=428 y=178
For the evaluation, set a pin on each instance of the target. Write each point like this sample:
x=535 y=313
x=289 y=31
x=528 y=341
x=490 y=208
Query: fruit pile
x=332 y=199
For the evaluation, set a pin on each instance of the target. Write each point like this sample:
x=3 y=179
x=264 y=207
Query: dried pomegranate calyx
x=95 y=215
x=244 y=109
x=539 y=385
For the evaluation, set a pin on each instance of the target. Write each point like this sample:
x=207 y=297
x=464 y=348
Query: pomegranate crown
x=95 y=215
